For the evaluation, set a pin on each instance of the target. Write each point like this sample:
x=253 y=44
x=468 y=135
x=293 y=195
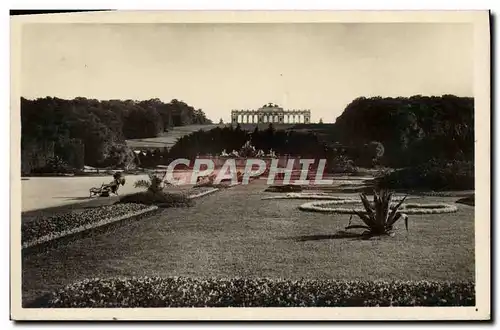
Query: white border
x=482 y=174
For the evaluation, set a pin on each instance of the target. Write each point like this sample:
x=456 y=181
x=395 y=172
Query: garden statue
x=271 y=153
x=105 y=189
x=247 y=150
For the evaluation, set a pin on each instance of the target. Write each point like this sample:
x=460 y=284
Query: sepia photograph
x=289 y=165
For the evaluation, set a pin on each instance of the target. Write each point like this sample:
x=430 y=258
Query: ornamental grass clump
x=155 y=194
x=155 y=184
x=380 y=216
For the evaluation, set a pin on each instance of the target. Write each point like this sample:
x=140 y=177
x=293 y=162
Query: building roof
x=271 y=107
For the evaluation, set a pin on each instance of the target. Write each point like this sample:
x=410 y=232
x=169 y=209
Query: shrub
x=370 y=154
x=155 y=184
x=54 y=165
x=435 y=175
x=161 y=199
x=469 y=200
x=342 y=164
x=263 y=292
x=206 y=181
x=61 y=223
x=383 y=172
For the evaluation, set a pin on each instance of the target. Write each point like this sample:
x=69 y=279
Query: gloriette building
x=271 y=113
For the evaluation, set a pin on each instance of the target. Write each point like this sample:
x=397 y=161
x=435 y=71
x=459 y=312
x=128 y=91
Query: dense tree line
x=231 y=138
x=412 y=130
x=395 y=132
x=91 y=132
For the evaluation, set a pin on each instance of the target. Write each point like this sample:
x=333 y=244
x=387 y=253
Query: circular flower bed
x=416 y=208
x=324 y=203
x=408 y=208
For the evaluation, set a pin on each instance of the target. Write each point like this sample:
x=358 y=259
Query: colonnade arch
x=271 y=114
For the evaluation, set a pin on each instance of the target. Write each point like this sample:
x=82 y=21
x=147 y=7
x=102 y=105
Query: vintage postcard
x=313 y=165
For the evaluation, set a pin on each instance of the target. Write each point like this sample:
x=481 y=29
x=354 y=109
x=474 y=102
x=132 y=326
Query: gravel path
x=39 y=193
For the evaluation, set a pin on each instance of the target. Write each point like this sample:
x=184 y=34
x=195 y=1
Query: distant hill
x=168 y=139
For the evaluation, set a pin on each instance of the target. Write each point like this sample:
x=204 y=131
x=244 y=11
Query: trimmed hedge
x=161 y=199
x=59 y=224
x=237 y=292
x=284 y=188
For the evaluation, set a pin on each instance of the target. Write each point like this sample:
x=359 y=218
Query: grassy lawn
x=235 y=233
x=168 y=139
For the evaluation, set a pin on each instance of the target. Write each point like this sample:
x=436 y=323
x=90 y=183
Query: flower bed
x=324 y=203
x=416 y=208
x=46 y=229
x=237 y=292
x=408 y=208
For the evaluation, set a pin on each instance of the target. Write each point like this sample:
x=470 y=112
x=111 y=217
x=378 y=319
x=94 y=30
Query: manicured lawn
x=169 y=138
x=235 y=233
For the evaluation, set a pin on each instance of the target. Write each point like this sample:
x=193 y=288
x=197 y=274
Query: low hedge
x=284 y=188
x=59 y=224
x=161 y=199
x=191 y=292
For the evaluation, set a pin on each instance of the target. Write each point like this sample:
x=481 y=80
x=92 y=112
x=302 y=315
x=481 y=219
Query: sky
x=220 y=67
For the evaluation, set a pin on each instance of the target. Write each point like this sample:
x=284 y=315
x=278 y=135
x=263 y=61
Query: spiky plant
x=380 y=216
